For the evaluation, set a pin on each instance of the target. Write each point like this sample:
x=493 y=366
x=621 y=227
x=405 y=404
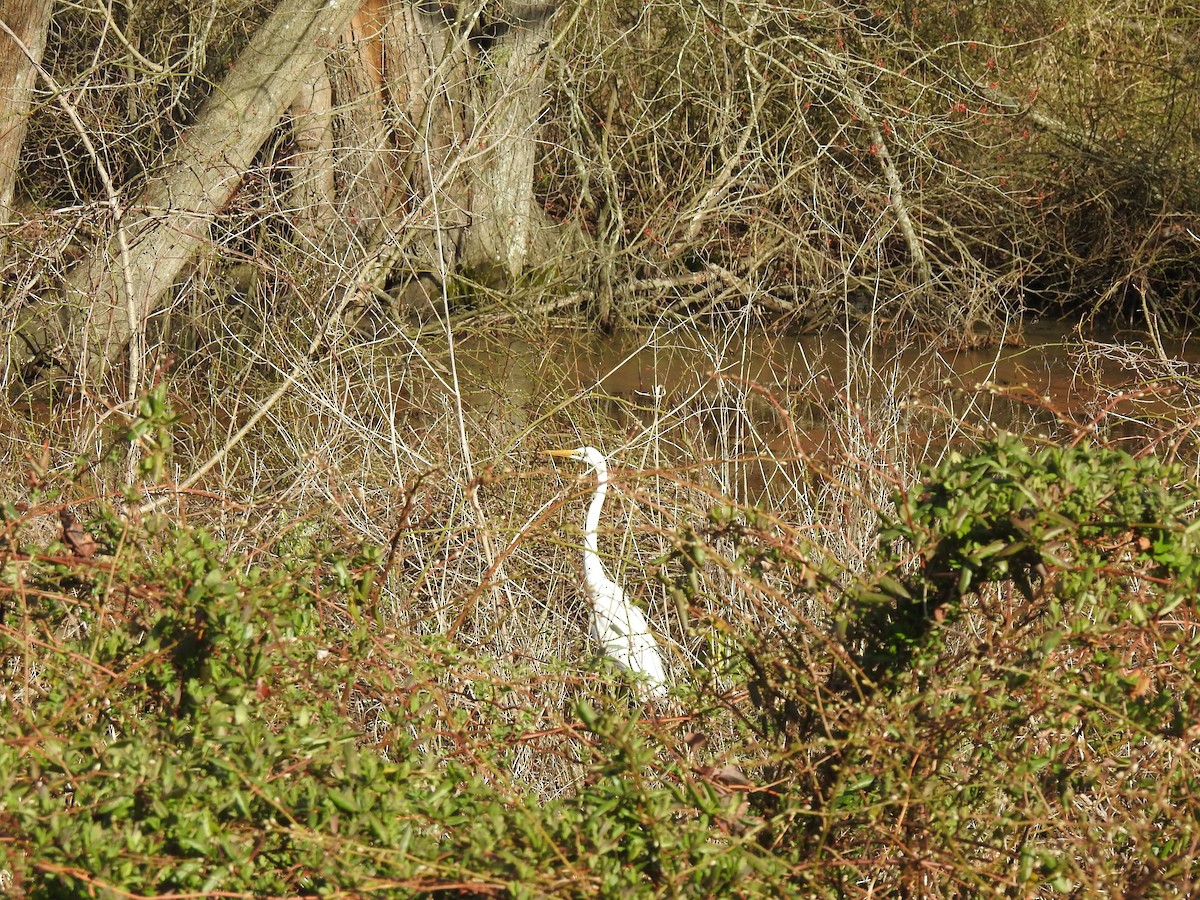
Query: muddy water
x=746 y=415
x=1054 y=377
x=716 y=395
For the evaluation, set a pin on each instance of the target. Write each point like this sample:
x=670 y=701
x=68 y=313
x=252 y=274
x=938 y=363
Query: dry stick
x=493 y=576
x=895 y=186
x=318 y=343
x=724 y=179
x=113 y=202
x=110 y=24
x=611 y=221
x=1072 y=137
x=494 y=570
x=577 y=298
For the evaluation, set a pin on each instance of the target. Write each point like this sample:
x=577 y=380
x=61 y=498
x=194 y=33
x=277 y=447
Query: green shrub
x=1005 y=704
x=1011 y=705
x=182 y=728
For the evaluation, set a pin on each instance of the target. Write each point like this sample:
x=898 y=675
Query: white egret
x=617 y=624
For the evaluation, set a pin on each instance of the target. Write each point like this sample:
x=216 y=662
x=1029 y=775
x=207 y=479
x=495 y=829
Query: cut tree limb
x=168 y=222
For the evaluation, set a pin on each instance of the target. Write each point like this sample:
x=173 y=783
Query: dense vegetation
x=287 y=604
x=938 y=168
x=1003 y=703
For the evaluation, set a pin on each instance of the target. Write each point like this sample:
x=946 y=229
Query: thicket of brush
x=913 y=166
x=287 y=604
x=978 y=681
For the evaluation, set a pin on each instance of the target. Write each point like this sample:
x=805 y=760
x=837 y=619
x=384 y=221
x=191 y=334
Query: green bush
x=1011 y=706
x=1004 y=705
x=176 y=721
x=183 y=729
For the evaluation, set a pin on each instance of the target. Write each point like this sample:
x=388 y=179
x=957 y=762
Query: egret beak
x=563 y=454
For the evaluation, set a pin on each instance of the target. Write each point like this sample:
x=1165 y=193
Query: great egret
x=617 y=624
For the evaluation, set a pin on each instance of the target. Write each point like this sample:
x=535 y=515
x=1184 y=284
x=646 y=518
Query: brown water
x=1053 y=379
x=757 y=411
x=718 y=394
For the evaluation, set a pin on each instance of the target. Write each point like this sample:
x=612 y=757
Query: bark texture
x=428 y=87
x=311 y=196
x=366 y=165
x=510 y=90
x=27 y=20
x=118 y=287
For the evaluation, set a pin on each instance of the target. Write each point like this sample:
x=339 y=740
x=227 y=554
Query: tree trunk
x=311 y=194
x=118 y=286
x=439 y=108
x=509 y=91
x=27 y=20
x=427 y=87
x=366 y=170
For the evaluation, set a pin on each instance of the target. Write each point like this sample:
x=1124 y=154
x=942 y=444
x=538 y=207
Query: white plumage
x=617 y=624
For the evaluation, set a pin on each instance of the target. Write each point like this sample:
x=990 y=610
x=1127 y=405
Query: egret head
x=589 y=455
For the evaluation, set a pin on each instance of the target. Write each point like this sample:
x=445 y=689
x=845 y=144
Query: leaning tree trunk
x=438 y=112
x=509 y=93
x=22 y=40
x=121 y=284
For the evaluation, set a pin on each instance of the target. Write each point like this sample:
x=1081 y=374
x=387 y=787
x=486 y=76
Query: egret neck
x=593 y=569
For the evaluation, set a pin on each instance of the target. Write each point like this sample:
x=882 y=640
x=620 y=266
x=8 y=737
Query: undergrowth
x=1002 y=702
